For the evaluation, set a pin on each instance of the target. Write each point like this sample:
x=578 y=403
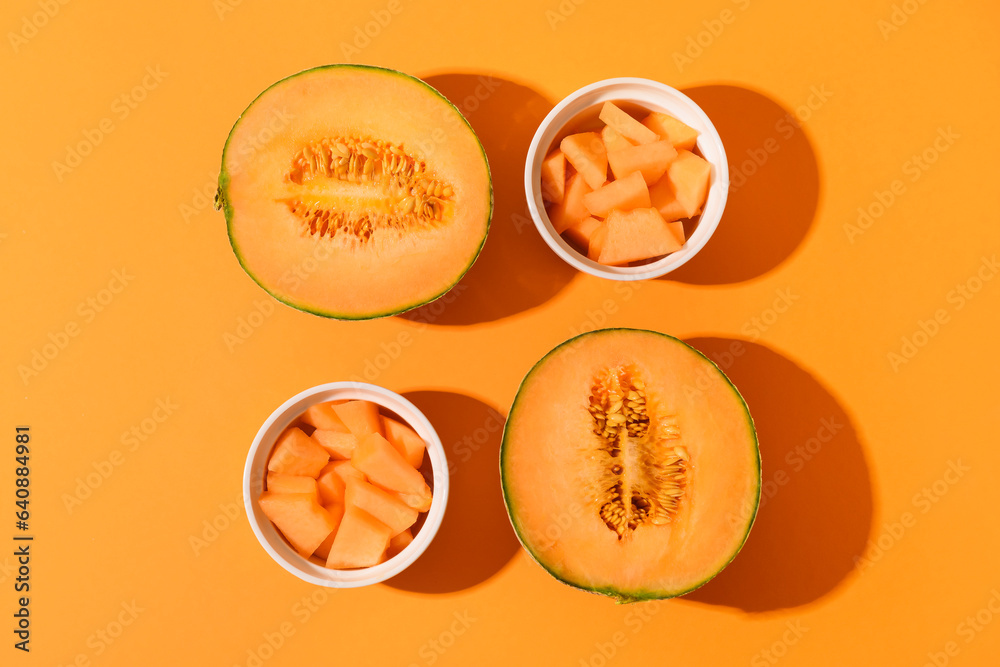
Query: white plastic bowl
x=653 y=96
x=255 y=471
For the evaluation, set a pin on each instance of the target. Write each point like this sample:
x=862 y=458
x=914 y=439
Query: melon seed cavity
x=353 y=189
x=644 y=469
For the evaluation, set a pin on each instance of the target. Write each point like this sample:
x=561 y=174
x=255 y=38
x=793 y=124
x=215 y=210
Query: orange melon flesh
x=393 y=269
x=299 y=517
x=623 y=194
x=650 y=159
x=614 y=141
x=399 y=542
x=322 y=416
x=585 y=151
x=360 y=417
x=361 y=540
x=296 y=453
x=669 y=128
x=683 y=190
x=638 y=234
x=345 y=470
x=580 y=233
x=385 y=467
x=554 y=177
x=677 y=229
x=572 y=210
x=596 y=243
x=549 y=453
x=384 y=506
x=336 y=511
x=338 y=445
x=625 y=125
x=280 y=483
x=405 y=440
x=331 y=486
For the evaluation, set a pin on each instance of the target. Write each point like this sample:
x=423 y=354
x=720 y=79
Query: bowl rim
x=666 y=99
x=253 y=477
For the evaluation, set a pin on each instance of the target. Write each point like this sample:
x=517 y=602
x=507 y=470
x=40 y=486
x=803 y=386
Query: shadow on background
x=773 y=193
x=475 y=539
x=516 y=270
x=816 y=506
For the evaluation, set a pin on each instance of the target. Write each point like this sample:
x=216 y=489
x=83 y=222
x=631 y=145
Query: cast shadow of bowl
x=815 y=513
x=515 y=270
x=773 y=191
x=475 y=539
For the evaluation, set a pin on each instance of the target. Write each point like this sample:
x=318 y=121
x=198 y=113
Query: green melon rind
x=222 y=201
x=624 y=597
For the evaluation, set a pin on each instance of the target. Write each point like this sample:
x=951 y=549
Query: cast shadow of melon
x=515 y=270
x=816 y=503
x=475 y=539
x=773 y=192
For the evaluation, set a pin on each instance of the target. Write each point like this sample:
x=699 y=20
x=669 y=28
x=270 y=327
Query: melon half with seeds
x=630 y=465
x=354 y=192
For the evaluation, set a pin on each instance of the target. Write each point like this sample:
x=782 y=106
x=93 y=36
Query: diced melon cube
x=400 y=542
x=625 y=125
x=338 y=445
x=597 y=242
x=554 y=177
x=297 y=454
x=299 y=517
x=405 y=440
x=330 y=485
x=280 y=483
x=677 y=229
x=572 y=209
x=336 y=510
x=385 y=467
x=384 y=506
x=614 y=141
x=585 y=151
x=669 y=128
x=323 y=416
x=360 y=417
x=580 y=233
x=345 y=470
x=684 y=188
x=360 y=541
x=623 y=194
x=634 y=235
x=651 y=160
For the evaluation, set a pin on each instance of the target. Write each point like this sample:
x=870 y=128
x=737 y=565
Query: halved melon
x=630 y=465
x=354 y=192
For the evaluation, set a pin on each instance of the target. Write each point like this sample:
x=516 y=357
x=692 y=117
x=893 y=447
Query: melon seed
x=654 y=469
x=347 y=168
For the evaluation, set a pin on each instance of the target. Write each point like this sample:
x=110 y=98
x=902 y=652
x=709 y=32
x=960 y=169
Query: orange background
x=848 y=563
